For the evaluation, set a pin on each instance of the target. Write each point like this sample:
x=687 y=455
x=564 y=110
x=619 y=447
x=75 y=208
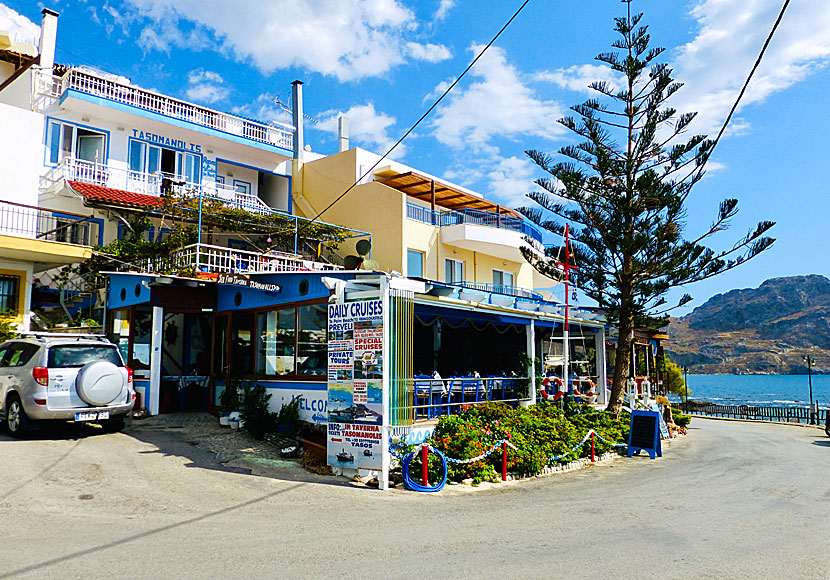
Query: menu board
x=355 y=384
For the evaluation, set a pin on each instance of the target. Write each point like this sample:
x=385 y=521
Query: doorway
x=185 y=361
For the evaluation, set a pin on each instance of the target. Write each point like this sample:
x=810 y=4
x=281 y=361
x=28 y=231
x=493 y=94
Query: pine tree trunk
x=622 y=359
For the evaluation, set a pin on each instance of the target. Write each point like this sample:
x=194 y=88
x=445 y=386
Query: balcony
x=36 y=223
x=29 y=234
x=443 y=218
x=206 y=258
x=72 y=169
x=48 y=88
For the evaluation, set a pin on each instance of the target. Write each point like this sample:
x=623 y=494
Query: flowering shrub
x=539 y=433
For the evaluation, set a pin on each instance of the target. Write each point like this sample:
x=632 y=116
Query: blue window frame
x=414 y=263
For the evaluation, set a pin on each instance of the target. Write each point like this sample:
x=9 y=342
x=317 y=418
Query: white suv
x=78 y=378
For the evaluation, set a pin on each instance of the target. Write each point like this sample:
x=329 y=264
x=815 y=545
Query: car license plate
x=92 y=416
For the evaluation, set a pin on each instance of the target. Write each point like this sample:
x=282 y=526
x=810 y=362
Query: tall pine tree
x=623 y=191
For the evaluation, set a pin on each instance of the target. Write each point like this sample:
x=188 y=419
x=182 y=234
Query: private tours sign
x=355 y=384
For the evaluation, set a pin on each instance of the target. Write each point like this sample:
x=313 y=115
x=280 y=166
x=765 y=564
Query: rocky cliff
x=764 y=330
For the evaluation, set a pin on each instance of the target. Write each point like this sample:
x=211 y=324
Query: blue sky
x=382 y=62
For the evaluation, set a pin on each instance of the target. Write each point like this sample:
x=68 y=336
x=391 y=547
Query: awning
x=427 y=314
x=446 y=195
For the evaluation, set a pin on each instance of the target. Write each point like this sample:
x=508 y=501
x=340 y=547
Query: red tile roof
x=115 y=196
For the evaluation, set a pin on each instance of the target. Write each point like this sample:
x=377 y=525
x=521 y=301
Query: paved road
x=733 y=500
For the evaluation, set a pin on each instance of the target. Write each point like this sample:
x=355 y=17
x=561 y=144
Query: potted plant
x=289 y=416
x=228 y=402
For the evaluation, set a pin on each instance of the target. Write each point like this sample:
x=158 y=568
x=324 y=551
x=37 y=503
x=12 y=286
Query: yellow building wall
x=381 y=210
x=370 y=207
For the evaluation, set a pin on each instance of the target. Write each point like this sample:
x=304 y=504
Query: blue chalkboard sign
x=644 y=434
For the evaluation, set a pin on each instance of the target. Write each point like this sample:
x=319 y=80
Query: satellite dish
x=360 y=262
x=352 y=262
x=363 y=247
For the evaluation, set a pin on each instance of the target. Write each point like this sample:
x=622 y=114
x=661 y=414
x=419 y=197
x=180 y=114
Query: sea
x=760 y=390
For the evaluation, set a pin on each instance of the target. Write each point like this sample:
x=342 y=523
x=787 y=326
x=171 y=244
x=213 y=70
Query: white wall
x=21 y=154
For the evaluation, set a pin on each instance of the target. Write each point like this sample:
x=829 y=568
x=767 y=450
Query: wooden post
x=504 y=461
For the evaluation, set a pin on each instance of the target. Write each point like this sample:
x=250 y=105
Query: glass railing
x=443 y=218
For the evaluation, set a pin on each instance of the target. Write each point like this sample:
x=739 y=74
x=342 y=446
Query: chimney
x=343 y=133
x=48 y=38
x=297 y=110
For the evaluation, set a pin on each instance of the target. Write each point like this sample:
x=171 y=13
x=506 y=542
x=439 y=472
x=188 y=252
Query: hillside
x=764 y=330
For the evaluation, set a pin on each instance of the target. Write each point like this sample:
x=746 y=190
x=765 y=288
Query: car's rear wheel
x=16 y=419
x=113 y=425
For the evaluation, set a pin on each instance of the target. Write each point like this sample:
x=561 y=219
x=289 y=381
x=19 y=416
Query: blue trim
x=99 y=221
x=150 y=232
x=229 y=162
x=74 y=124
x=133 y=110
x=242 y=181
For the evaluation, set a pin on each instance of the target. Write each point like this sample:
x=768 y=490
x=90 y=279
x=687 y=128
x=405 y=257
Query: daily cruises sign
x=355 y=384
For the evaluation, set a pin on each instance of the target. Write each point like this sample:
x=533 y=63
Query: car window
x=77 y=355
x=3 y=352
x=24 y=354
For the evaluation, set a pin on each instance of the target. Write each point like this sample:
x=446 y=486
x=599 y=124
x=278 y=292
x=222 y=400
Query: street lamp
x=810 y=362
x=686 y=385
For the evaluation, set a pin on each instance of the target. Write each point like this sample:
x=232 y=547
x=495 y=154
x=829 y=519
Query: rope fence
x=502 y=444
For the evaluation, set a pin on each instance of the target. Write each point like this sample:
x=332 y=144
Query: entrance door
x=185 y=361
x=219 y=369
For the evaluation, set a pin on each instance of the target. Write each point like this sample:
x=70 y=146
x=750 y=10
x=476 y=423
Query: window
x=312 y=346
x=414 y=263
x=453 y=271
x=242 y=186
x=144 y=158
x=293 y=341
x=189 y=167
x=76 y=356
x=242 y=346
x=220 y=180
x=501 y=278
x=64 y=140
x=9 y=292
x=277 y=334
x=18 y=354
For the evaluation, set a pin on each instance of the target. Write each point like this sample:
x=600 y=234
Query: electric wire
x=424 y=116
x=745 y=86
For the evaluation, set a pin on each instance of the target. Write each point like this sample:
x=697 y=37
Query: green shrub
x=259 y=420
x=539 y=432
x=680 y=419
x=289 y=413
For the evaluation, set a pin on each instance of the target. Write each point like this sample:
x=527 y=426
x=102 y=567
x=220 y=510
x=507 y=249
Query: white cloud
x=443 y=9
x=428 y=52
x=367 y=127
x=715 y=64
x=511 y=178
x=206 y=86
x=21 y=29
x=579 y=77
x=497 y=105
x=347 y=40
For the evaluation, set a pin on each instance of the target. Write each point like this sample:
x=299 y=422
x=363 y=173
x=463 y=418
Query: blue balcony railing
x=504 y=289
x=471 y=216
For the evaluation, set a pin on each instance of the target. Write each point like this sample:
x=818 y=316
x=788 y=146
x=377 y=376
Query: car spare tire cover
x=99 y=383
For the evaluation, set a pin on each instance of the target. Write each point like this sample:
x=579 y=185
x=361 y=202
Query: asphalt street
x=731 y=500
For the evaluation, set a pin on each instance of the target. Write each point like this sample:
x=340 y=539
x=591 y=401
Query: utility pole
x=810 y=362
x=686 y=385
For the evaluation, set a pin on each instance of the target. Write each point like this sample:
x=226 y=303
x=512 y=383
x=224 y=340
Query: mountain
x=764 y=330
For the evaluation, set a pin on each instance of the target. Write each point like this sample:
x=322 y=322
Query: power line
x=746 y=84
x=424 y=116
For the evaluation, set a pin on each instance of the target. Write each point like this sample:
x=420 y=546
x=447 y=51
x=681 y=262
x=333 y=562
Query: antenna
x=287 y=108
